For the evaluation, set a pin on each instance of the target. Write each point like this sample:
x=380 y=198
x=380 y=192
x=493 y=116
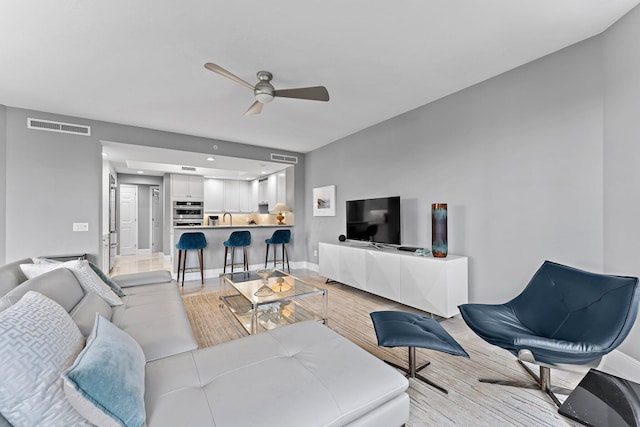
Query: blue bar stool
x=237 y=239
x=279 y=237
x=190 y=241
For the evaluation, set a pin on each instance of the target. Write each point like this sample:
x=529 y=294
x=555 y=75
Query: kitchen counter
x=213 y=253
x=233 y=226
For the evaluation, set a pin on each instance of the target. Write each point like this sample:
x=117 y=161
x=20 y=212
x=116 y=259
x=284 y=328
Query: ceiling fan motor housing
x=263 y=90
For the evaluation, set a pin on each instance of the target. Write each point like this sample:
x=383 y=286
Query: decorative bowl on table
x=264 y=290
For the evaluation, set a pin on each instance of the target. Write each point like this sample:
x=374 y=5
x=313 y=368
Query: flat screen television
x=374 y=220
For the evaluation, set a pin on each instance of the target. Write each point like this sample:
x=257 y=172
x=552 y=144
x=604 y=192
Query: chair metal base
x=285 y=257
x=412 y=371
x=543 y=382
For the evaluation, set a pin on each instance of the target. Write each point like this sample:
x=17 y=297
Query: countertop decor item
x=280 y=209
x=439 y=245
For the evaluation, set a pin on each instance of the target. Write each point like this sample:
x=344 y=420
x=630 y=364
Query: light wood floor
x=469 y=402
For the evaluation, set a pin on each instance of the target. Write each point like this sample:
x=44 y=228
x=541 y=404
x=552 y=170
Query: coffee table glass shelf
x=260 y=303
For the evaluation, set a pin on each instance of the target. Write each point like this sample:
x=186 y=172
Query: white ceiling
x=141 y=62
x=134 y=159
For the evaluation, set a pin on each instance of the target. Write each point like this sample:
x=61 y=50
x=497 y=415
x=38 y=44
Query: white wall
x=518 y=158
x=622 y=155
x=55 y=179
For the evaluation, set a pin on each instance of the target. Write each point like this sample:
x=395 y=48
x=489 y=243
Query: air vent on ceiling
x=50 y=126
x=188 y=168
x=284 y=158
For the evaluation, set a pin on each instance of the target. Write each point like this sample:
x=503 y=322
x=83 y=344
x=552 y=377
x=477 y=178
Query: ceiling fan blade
x=256 y=108
x=218 y=69
x=315 y=93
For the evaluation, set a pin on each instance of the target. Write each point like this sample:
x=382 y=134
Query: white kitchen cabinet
x=254 y=195
x=435 y=285
x=187 y=187
x=231 y=196
x=272 y=190
x=244 y=196
x=281 y=188
x=213 y=195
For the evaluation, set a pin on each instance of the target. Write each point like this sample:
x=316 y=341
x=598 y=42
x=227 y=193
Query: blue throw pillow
x=105 y=384
x=113 y=285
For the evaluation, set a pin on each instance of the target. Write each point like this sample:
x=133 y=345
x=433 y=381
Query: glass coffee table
x=281 y=299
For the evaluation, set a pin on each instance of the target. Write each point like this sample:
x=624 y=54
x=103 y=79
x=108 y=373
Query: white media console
x=435 y=285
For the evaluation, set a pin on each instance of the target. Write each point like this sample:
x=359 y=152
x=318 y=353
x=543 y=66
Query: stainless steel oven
x=187 y=213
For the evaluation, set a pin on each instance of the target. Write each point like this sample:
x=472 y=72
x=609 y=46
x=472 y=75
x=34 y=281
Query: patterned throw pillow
x=88 y=278
x=38 y=341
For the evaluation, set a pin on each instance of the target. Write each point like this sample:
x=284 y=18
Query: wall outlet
x=315 y=253
x=80 y=226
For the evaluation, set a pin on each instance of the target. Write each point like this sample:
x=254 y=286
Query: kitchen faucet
x=230 y=218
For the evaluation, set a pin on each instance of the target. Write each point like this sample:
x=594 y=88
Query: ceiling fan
x=264 y=92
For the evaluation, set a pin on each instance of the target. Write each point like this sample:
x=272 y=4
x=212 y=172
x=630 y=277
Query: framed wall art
x=324 y=201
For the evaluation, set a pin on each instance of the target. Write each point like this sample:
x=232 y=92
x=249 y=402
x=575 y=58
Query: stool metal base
x=182 y=264
x=285 y=257
x=412 y=371
x=245 y=260
x=543 y=383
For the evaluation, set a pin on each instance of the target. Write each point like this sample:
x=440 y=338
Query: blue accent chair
x=279 y=237
x=187 y=242
x=403 y=329
x=564 y=318
x=237 y=239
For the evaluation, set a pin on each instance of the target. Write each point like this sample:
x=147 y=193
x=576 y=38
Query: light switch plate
x=80 y=226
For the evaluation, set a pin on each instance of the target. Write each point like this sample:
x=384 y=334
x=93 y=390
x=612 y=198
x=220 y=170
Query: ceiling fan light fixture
x=265 y=98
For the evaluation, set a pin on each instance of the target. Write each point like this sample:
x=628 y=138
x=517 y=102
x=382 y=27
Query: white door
x=155 y=220
x=128 y=219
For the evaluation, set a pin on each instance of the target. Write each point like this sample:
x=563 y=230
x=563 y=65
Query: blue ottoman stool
x=402 y=329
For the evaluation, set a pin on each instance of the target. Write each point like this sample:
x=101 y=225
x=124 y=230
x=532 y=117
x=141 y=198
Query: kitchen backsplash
x=244 y=219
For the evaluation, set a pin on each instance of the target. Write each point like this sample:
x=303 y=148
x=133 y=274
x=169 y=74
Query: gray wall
x=538 y=163
x=518 y=159
x=3 y=180
x=55 y=179
x=622 y=154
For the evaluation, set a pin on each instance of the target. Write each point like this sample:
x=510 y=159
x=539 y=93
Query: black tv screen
x=374 y=220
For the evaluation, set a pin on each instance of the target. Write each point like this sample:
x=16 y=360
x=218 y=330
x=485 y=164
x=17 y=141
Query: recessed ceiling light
x=281 y=174
x=248 y=178
x=263 y=173
x=211 y=158
x=140 y=171
x=104 y=154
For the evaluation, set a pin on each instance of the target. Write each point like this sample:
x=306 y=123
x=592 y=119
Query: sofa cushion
x=155 y=317
x=106 y=382
x=60 y=285
x=142 y=278
x=320 y=377
x=38 y=341
x=84 y=313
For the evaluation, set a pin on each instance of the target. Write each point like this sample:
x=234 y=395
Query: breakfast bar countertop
x=182 y=227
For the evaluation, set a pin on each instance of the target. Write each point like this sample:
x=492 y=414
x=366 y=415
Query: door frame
x=134 y=229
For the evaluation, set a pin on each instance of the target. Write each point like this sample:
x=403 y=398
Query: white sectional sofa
x=299 y=375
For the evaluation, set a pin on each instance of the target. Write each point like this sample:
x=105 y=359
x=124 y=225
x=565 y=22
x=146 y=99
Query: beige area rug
x=469 y=402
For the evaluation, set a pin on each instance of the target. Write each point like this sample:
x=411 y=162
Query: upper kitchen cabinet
x=187 y=187
x=213 y=195
x=227 y=195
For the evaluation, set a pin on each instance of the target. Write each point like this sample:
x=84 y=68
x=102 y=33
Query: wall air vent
x=284 y=158
x=50 y=126
x=188 y=168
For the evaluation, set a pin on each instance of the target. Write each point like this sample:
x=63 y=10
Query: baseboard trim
x=215 y=272
x=621 y=365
